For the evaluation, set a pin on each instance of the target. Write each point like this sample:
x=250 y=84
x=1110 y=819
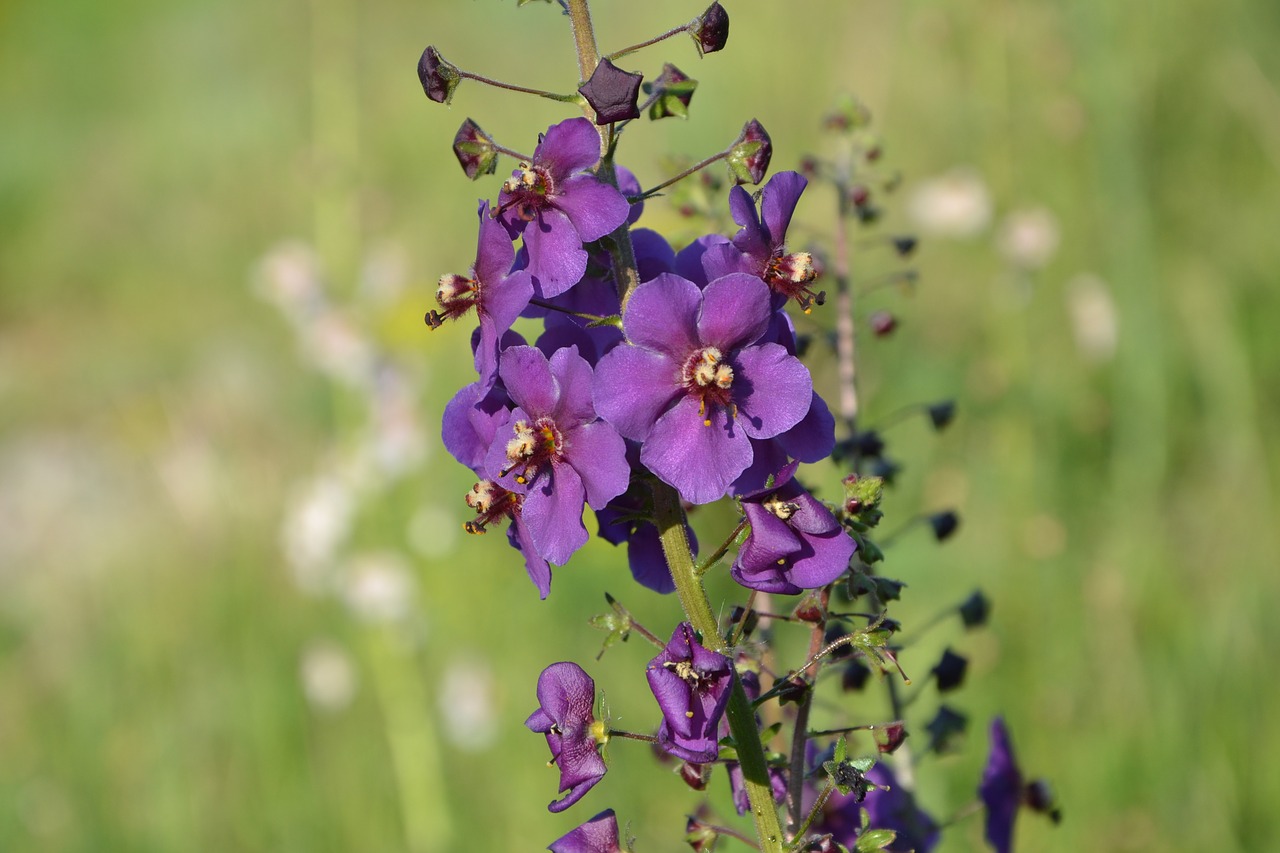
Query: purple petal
x=772 y=388
x=534 y=564
x=629 y=186
x=813 y=439
x=527 y=375
x=689 y=259
x=648 y=563
x=553 y=513
x=767 y=457
x=494 y=251
x=568 y=147
x=825 y=558
x=599 y=455
x=771 y=540
x=1001 y=789
x=471 y=420
x=633 y=387
x=598 y=835
x=735 y=312
x=556 y=257
x=594 y=208
x=573 y=378
x=566 y=692
x=663 y=316
x=725 y=259
x=700 y=461
x=654 y=254
x=777 y=203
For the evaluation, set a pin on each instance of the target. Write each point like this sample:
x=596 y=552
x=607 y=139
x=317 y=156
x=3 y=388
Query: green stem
x=584 y=38
x=669 y=517
x=723 y=549
x=714 y=158
x=511 y=87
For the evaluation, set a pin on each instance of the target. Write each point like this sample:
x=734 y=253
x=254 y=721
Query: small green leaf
x=875 y=839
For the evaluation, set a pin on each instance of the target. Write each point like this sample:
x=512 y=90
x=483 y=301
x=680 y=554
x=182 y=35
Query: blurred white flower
x=955 y=204
x=316 y=525
x=1094 y=320
x=395 y=442
x=466 y=702
x=1028 y=238
x=289 y=277
x=335 y=347
x=378 y=587
x=328 y=676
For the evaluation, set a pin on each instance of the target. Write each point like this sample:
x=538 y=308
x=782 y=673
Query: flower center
x=456 y=294
x=535 y=444
x=791 y=275
x=708 y=376
x=491 y=502
x=528 y=188
x=779 y=508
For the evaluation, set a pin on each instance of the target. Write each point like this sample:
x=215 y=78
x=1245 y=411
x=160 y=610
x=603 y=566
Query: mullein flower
x=1001 y=789
x=694 y=386
x=598 y=835
x=889 y=806
x=691 y=684
x=497 y=293
x=554 y=449
x=557 y=205
x=566 y=695
x=795 y=542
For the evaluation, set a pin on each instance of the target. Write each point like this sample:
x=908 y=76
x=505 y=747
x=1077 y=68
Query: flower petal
x=573 y=377
x=663 y=316
x=494 y=251
x=567 y=147
x=633 y=387
x=778 y=202
x=527 y=375
x=534 y=564
x=772 y=389
x=700 y=461
x=599 y=455
x=735 y=312
x=594 y=208
x=556 y=257
x=553 y=513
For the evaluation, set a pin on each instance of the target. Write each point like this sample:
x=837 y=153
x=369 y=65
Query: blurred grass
x=1121 y=514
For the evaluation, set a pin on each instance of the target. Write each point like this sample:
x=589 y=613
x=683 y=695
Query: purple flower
x=598 y=835
x=694 y=386
x=691 y=684
x=554 y=446
x=759 y=247
x=497 y=294
x=795 y=542
x=557 y=205
x=1001 y=789
x=628 y=518
x=493 y=502
x=894 y=809
x=565 y=697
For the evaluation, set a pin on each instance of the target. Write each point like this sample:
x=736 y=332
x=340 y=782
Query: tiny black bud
x=975 y=609
x=835 y=631
x=904 y=245
x=711 y=30
x=854 y=675
x=612 y=93
x=749 y=626
x=438 y=76
x=941 y=414
x=949 y=671
x=1039 y=798
x=945 y=729
x=868 y=443
x=944 y=524
x=792 y=690
x=885 y=468
x=883 y=323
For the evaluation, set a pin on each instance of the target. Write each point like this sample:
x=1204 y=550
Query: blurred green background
x=236 y=608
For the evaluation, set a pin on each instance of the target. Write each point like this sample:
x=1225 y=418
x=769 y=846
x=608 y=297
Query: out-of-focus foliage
x=1096 y=192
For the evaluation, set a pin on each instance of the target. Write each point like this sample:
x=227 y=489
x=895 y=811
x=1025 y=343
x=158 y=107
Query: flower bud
x=439 y=77
x=749 y=158
x=945 y=729
x=474 y=150
x=975 y=609
x=944 y=524
x=711 y=31
x=940 y=414
x=904 y=245
x=672 y=91
x=949 y=671
x=699 y=835
x=696 y=776
x=1039 y=798
x=883 y=323
x=854 y=675
x=889 y=738
x=612 y=93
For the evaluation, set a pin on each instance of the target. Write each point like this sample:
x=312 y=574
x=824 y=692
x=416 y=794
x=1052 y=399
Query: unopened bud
x=612 y=93
x=944 y=524
x=439 y=77
x=696 y=776
x=700 y=835
x=474 y=150
x=1039 y=798
x=883 y=323
x=945 y=729
x=672 y=91
x=889 y=738
x=711 y=30
x=950 y=671
x=749 y=158
x=975 y=610
x=941 y=414
x=855 y=675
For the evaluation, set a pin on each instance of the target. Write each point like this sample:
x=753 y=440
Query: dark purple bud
x=749 y=158
x=944 y=524
x=868 y=443
x=439 y=77
x=612 y=93
x=941 y=414
x=1002 y=789
x=883 y=323
x=1039 y=798
x=949 y=671
x=833 y=633
x=671 y=92
x=975 y=610
x=711 y=31
x=904 y=245
x=889 y=738
x=886 y=469
x=812 y=608
x=696 y=776
x=859 y=195
x=700 y=835
x=792 y=690
x=752 y=620
x=474 y=150
x=854 y=676
x=945 y=728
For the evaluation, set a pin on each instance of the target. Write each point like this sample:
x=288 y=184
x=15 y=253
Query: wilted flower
x=691 y=684
x=598 y=835
x=565 y=697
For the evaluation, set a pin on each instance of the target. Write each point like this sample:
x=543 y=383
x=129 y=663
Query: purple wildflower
x=493 y=502
x=598 y=835
x=628 y=518
x=556 y=448
x=497 y=294
x=565 y=696
x=694 y=386
x=795 y=542
x=557 y=205
x=691 y=684
x=759 y=247
x=1001 y=789
x=889 y=806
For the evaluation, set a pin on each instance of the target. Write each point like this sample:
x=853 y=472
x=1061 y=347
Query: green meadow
x=238 y=611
